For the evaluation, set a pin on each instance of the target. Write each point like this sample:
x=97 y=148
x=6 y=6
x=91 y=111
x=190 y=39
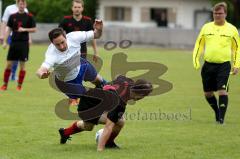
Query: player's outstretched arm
x=94 y=46
x=107 y=131
x=42 y=73
x=98 y=26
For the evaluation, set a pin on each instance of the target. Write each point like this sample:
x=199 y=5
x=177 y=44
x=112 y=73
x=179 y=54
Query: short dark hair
x=78 y=1
x=54 y=33
x=219 y=6
x=142 y=87
x=20 y=1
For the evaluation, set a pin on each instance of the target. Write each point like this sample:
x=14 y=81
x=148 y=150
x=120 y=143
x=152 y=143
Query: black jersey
x=18 y=20
x=69 y=24
x=121 y=86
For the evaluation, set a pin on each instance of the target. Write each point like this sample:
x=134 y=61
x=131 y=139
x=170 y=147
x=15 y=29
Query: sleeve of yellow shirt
x=236 y=49
x=198 y=49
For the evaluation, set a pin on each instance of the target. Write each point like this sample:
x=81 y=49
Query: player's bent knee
x=222 y=92
x=208 y=94
x=120 y=122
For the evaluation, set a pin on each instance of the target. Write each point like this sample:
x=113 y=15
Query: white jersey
x=55 y=59
x=11 y=9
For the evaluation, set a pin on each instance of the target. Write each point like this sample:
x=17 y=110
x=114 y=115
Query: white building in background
x=186 y=14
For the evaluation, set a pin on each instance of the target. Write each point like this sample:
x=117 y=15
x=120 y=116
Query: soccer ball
x=98 y=134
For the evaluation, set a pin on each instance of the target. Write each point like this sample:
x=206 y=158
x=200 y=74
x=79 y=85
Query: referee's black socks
x=223 y=103
x=213 y=103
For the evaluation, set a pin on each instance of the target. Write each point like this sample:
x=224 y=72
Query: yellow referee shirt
x=219 y=44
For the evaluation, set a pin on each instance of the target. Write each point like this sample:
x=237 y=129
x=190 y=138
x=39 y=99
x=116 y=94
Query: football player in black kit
x=20 y=24
x=125 y=89
x=78 y=22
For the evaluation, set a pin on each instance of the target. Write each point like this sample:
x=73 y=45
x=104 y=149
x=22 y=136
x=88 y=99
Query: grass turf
x=175 y=125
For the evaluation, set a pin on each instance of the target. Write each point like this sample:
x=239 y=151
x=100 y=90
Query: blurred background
x=167 y=23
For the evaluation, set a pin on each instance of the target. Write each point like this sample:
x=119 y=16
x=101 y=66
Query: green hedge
x=52 y=11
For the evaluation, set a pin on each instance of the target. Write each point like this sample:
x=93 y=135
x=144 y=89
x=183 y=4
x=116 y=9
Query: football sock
x=7 y=73
x=213 y=103
x=73 y=129
x=112 y=137
x=223 y=103
x=21 y=76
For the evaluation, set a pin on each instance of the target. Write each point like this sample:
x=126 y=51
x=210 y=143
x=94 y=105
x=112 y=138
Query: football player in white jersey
x=63 y=56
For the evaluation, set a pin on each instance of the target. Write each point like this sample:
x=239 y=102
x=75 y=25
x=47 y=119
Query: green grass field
x=29 y=125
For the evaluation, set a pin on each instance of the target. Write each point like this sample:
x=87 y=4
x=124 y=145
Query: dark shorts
x=87 y=103
x=117 y=112
x=18 y=51
x=114 y=115
x=215 y=76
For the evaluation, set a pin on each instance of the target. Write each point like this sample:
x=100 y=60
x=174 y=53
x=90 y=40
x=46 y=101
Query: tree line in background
x=52 y=11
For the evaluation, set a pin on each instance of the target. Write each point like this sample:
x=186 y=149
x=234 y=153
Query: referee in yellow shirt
x=219 y=40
